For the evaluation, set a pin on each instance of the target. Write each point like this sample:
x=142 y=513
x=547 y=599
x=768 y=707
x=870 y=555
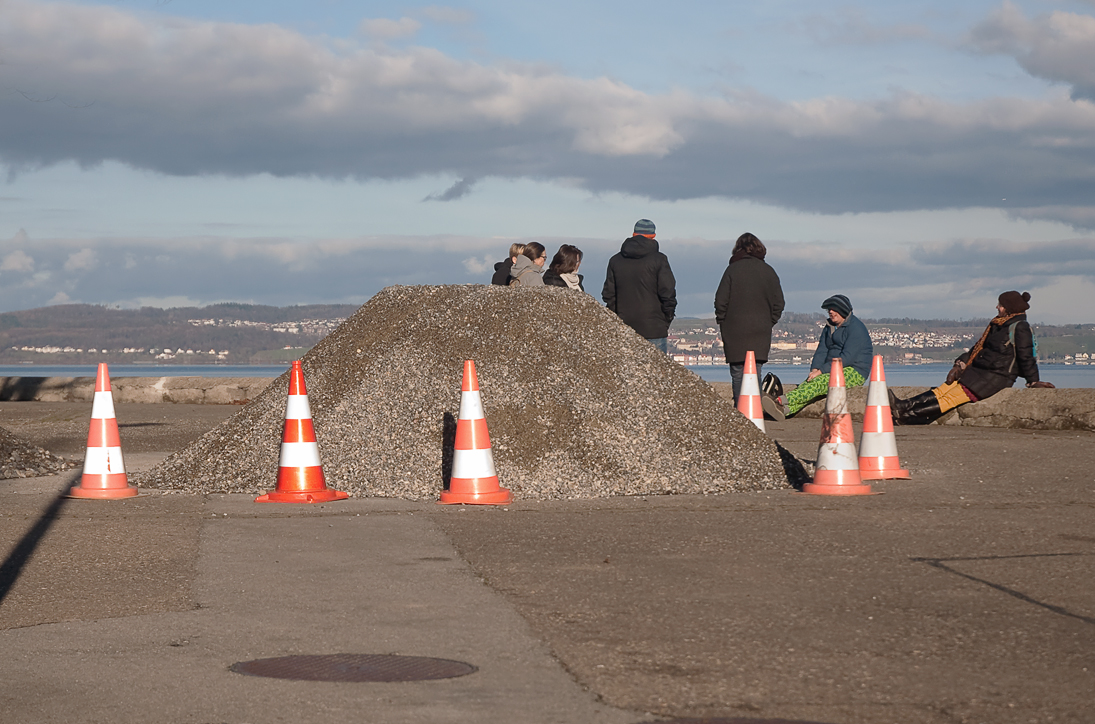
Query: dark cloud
x=458 y=190
x=947 y=280
x=187 y=98
x=1058 y=47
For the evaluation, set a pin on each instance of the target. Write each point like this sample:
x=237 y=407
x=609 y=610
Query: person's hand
x=954 y=374
x=812 y=375
x=1046 y=385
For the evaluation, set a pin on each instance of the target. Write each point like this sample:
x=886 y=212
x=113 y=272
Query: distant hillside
x=258 y=334
x=234 y=333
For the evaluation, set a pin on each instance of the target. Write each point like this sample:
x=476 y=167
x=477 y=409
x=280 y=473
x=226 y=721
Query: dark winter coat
x=748 y=304
x=1000 y=362
x=552 y=279
x=850 y=342
x=640 y=288
x=501 y=272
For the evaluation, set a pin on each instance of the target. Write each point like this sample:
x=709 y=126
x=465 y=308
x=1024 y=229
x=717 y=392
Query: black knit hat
x=839 y=304
x=645 y=227
x=1014 y=302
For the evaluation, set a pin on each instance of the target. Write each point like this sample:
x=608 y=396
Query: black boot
x=920 y=410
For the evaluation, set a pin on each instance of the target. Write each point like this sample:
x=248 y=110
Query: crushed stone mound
x=20 y=459
x=577 y=404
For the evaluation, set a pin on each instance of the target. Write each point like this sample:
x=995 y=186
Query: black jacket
x=748 y=304
x=640 y=288
x=1000 y=362
x=501 y=273
x=554 y=280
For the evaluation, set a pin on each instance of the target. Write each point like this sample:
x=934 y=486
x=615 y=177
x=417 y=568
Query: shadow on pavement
x=941 y=564
x=15 y=562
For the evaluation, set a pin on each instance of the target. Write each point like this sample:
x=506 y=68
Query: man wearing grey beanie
x=844 y=337
x=640 y=288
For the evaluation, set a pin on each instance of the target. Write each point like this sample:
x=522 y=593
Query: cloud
x=1058 y=47
x=385 y=29
x=479 y=266
x=82 y=260
x=184 y=97
x=17 y=261
x=946 y=279
x=458 y=190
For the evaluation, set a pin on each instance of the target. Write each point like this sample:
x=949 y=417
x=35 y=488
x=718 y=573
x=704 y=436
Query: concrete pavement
x=963 y=595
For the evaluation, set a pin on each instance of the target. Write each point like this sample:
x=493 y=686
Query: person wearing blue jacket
x=844 y=337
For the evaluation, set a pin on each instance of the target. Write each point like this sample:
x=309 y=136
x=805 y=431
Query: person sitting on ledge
x=844 y=337
x=1005 y=352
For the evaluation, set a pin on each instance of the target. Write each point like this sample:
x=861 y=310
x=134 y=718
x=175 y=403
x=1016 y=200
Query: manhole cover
x=354 y=667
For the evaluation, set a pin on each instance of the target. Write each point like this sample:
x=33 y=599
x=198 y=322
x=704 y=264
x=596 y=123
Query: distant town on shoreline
x=241 y=334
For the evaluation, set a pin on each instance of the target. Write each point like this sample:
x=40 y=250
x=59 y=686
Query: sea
x=897 y=375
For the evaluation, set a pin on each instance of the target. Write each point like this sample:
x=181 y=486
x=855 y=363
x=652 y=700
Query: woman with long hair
x=563 y=270
x=1005 y=352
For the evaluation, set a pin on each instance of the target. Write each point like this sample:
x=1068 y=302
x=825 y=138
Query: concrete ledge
x=180 y=390
x=1019 y=407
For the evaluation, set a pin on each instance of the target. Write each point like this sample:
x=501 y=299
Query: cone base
x=302 y=496
x=819 y=489
x=102 y=493
x=494 y=497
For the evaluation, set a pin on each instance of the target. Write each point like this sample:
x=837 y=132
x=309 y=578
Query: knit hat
x=644 y=227
x=1014 y=302
x=839 y=304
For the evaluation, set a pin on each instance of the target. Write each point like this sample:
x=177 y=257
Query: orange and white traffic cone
x=300 y=474
x=104 y=470
x=837 y=468
x=878 y=444
x=473 y=477
x=749 y=397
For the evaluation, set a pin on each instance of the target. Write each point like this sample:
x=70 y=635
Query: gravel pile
x=578 y=406
x=20 y=459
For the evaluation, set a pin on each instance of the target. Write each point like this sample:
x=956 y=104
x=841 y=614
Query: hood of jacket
x=523 y=263
x=638 y=246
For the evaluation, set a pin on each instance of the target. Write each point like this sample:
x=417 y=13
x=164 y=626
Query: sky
x=919 y=156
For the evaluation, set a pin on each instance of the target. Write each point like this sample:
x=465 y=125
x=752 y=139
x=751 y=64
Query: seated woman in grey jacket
x=845 y=337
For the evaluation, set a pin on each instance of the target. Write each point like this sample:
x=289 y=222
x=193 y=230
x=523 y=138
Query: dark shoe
x=920 y=410
x=772 y=407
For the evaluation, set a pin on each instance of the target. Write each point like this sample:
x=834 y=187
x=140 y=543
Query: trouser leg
x=737 y=372
x=737 y=369
x=806 y=393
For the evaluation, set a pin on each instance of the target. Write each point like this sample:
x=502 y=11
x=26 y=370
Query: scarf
x=998 y=321
x=571 y=279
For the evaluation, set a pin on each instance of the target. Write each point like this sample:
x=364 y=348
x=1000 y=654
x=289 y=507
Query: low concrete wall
x=1065 y=409
x=1019 y=407
x=180 y=390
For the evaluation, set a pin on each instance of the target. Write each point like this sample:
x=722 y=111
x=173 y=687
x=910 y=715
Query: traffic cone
x=749 y=398
x=878 y=444
x=473 y=479
x=300 y=474
x=104 y=470
x=837 y=468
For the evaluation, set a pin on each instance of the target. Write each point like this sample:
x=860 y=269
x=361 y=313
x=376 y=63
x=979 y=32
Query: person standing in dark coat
x=1005 y=352
x=640 y=288
x=748 y=304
